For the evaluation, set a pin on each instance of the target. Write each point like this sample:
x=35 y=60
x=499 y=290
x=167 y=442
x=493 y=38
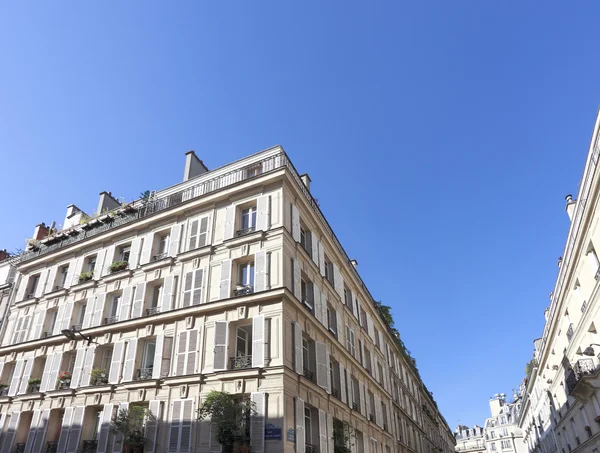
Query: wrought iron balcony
x=335 y=393
x=245 y=231
x=89 y=446
x=58 y=287
x=159 y=257
x=570 y=332
x=144 y=374
x=372 y=417
x=581 y=368
x=243 y=290
x=241 y=362
x=51 y=447
x=354 y=405
x=309 y=448
x=111 y=320
x=47 y=334
x=3 y=391
x=309 y=374
x=152 y=311
x=20 y=448
x=76 y=327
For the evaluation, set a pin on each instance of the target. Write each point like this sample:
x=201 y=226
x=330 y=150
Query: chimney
x=40 y=232
x=193 y=166
x=107 y=203
x=559 y=261
x=73 y=216
x=306 y=180
x=3 y=254
x=354 y=263
x=570 y=208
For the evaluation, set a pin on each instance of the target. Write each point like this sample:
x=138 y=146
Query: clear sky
x=441 y=138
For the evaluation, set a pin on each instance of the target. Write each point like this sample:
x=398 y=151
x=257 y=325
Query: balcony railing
x=20 y=448
x=570 y=332
x=144 y=373
x=111 y=320
x=59 y=287
x=309 y=375
x=3 y=391
x=51 y=447
x=89 y=446
x=581 y=368
x=335 y=393
x=76 y=327
x=152 y=311
x=372 y=417
x=243 y=290
x=354 y=405
x=146 y=207
x=309 y=448
x=241 y=362
x=47 y=334
x=159 y=257
x=245 y=231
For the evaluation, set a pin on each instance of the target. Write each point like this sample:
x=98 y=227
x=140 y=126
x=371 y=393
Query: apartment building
x=8 y=273
x=469 y=440
x=502 y=433
x=561 y=405
x=231 y=280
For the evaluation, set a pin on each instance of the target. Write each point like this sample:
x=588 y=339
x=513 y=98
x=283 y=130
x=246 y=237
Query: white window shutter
x=138 y=300
x=104 y=431
x=73 y=266
x=47 y=372
x=378 y=414
x=192 y=353
x=300 y=430
x=192 y=234
x=188 y=288
x=363 y=406
x=350 y=385
x=330 y=438
x=175 y=426
x=295 y=223
x=257 y=422
x=134 y=253
x=98 y=305
x=152 y=426
x=117 y=444
x=158 y=354
x=324 y=309
x=88 y=364
x=46 y=282
x=204 y=232
x=90 y=311
x=221 y=342
x=59 y=318
x=180 y=435
x=343 y=391
x=356 y=307
x=198 y=288
x=298 y=356
x=9 y=437
x=53 y=376
x=40 y=432
x=174 y=238
x=258 y=341
x=338 y=282
x=322 y=431
x=225 y=287
x=214 y=445
x=35 y=419
x=75 y=429
x=147 y=249
x=229 y=222
x=78 y=368
x=125 y=303
x=109 y=258
x=64 y=430
x=260 y=271
x=321 y=262
x=22 y=287
x=129 y=366
x=15 y=383
x=315 y=247
x=317 y=304
x=38 y=323
x=67 y=315
x=181 y=353
x=167 y=295
x=99 y=268
x=322 y=359
x=114 y=374
x=297 y=280
x=370 y=328
x=262 y=213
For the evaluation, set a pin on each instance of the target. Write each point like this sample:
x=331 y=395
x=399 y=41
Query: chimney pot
x=354 y=263
x=193 y=166
x=306 y=180
x=570 y=208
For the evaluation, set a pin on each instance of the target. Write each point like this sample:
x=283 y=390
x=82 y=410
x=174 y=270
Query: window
x=334 y=378
x=90 y=264
x=305 y=240
x=113 y=310
x=384 y=415
x=308 y=357
x=505 y=430
x=32 y=285
x=371 y=401
x=162 y=246
x=245 y=277
x=307 y=426
x=331 y=319
x=360 y=351
x=506 y=445
x=79 y=315
x=492 y=434
x=348 y=297
x=254 y=171
x=380 y=373
x=243 y=345
x=355 y=393
x=157 y=292
x=198 y=236
x=363 y=318
x=124 y=252
x=329 y=270
x=367 y=361
x=307 y=291
x=373 y=446
x=247 y=221
x=359 y=441
x=61 y=277
x=50 y=323
x=377 y=343
x=350 y=341
x=149 y=351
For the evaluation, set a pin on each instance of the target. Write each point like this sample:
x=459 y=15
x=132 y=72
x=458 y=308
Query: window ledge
x=28 y=397
x=234 y=374
x=179 y=380
x=117 y=275
x=250 y=237
x=158 y=264
x=5 y=399
x=56 y=293
x=27 y=302
x=84 y=285
x=146 y=383
x=195 y=253
x=60 y=392
x=96 y=389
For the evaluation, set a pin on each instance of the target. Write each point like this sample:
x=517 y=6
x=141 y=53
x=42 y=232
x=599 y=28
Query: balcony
x=110 y=320
x=241 y=362
x=570 y=332
x=335 y=393
x=582 y=380
x=372 y=417
x=245 y=231
x=51 y=447
x=144 y=374
x=354 y=405
x=76 y=327
x=47 y=334
x=308 y=375
x=89 y=446
x=243 y=290
x=20 y=448
x=309 y=448
x=152 y=311
x=160 y=256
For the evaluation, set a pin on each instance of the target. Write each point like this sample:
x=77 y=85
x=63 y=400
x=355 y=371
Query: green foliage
x=129 y=423
x=34 y=381
x=85 y=276
x=385 y=312
x=530 y=366
x=99 y=375
x=117 y=266
x=231 y=416
x=343 y=436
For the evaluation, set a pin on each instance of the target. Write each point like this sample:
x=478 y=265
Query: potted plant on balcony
x=85 y=276
x=118 y=266
x=129 y=425
x=64 y=379
x=231 y=414
x=34 y=384
x=3 y=389
x=99 y=376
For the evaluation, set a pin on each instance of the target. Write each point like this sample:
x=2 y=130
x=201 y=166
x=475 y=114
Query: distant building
x=470 y=440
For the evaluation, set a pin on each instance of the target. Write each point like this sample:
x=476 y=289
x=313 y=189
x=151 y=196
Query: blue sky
x=441 y=138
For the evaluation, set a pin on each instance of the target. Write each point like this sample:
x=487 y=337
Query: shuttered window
x=220 y=342
x=192 y=289
x=187 y=353
x=198 y=233
x=180 y=430
x=257 y=422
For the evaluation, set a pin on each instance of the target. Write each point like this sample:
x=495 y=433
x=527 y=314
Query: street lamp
x=589 y=351
x=70 y=334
